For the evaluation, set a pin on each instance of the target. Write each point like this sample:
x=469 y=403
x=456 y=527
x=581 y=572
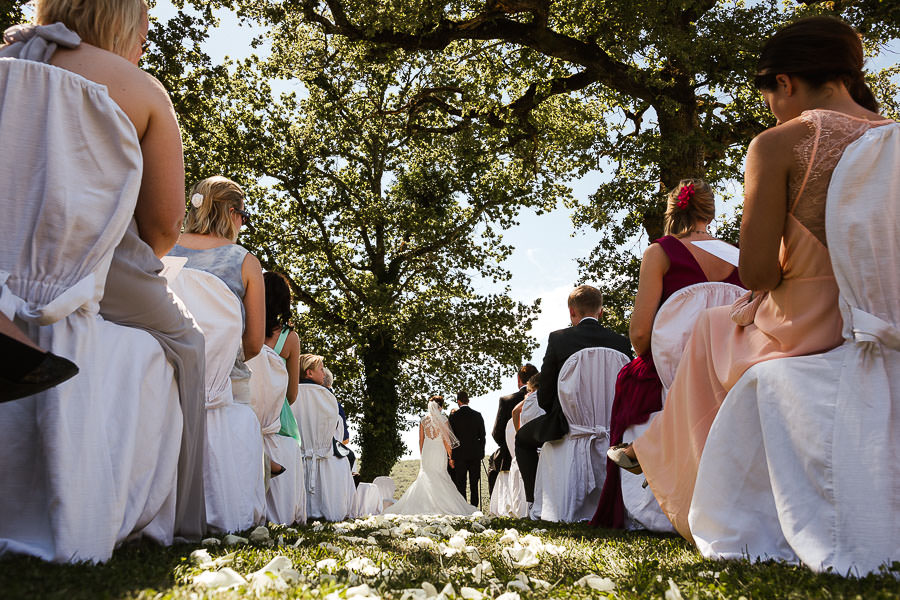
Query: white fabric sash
x=866 y=327
x=311 y=460
x=80 y=294
x=579 y=431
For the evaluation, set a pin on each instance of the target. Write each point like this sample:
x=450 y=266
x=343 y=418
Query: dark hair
x=526 y=372
x=438 y=399
x=278 y=301
x=817 y=50
x=700 y=205
x=462 y=398
x=535 y=381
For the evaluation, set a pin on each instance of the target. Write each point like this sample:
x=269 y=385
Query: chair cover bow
x=312 y=456
x=593 y=432
x=57 y=309
x=867 y=328
x=37 y=42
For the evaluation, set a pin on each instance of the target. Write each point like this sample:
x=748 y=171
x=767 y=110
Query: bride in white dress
x=433 y=492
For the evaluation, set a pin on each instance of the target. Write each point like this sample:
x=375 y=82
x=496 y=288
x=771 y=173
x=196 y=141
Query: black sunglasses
x=245 y=216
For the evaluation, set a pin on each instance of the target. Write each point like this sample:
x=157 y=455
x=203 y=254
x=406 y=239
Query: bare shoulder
x=781 y=139
x=292 y=343
x=251 y=263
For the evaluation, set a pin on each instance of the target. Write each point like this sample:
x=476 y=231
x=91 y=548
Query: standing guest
x=585 y=307
x=669 y=264
x=810 y=74
x=501 y=459
x=468 y=427
x=103 y=43
x=215 y=216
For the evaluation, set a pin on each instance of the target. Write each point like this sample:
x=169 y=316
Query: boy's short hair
x=586 y=299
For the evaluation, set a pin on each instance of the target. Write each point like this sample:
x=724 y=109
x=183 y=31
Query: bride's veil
x=440 y=422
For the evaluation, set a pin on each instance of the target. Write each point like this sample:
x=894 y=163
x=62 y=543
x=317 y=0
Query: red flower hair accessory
x=685 y=196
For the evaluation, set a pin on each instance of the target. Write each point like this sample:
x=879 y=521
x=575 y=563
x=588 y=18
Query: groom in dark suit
x=468 y=427
x=585 y=308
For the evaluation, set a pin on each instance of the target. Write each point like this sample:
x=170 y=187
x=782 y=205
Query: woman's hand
x=451 y=463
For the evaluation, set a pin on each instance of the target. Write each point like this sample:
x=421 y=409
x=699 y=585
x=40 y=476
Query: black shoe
x=50 y=371
x=277 y=473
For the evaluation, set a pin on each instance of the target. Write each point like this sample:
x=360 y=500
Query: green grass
x=639 y=565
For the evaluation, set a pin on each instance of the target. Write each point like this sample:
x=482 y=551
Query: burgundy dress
x=638 y=388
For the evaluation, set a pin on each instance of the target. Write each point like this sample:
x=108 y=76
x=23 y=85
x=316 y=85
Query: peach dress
x=800 y=316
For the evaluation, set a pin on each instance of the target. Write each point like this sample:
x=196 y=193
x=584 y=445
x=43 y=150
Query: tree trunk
x=682 y=158
x=380 y=441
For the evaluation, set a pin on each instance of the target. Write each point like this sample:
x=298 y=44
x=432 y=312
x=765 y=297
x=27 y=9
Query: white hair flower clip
x=197 y=200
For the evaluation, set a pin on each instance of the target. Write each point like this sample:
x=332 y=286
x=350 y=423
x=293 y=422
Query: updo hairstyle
x=817 y=50
x=681 y=217
x=113 y=25
x=278 y=301
x=439 y=400
x=216 y=196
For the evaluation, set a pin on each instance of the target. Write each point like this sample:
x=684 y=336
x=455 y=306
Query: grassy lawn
x=394 y=558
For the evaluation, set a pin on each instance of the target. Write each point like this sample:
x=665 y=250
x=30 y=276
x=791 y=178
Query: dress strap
x=281 y=338
x=678 y=253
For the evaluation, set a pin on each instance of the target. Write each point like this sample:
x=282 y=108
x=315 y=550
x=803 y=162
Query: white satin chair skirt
x=91 y=462
x=233 y=473
x=642 y=511
x=286 y=498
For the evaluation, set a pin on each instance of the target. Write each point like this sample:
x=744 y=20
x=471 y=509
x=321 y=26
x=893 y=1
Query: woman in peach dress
x=810 y=74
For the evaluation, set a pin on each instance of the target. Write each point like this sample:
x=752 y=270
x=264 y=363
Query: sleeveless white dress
x=433 y=492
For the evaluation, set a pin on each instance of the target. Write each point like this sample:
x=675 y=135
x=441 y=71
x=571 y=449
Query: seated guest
x=502 y=459
x=115 y=128
x=585 y=307
x=328 y=382
x=528 y=409
x=810 y=76
x=285 y=342
x=669 y=264
x=214 y=219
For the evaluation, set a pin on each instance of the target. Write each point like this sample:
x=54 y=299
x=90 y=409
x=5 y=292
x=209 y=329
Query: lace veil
x=438 y=422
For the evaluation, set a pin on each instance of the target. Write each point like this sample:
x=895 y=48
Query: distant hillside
x=406 y=471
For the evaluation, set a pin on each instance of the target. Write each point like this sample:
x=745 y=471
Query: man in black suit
x=468 y=427
x=503 y=458
x=585 y=308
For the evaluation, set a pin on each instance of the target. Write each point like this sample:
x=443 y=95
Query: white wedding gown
x=433 y=492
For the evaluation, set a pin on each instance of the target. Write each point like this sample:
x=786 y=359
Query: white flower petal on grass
x=318 y=526
x=201 y=558
x=539 y=583
x=298 y=542
x=422 y=541
x=448 y=591
x=216 y=580
x=673 y=593
x=510 y=536
x=362 y=592
x=457 y=542
x=363 y=565
x=472 y=553
x=326 y=564
x=595 y=582
x=430 y=590
x=210 y=541
x=260 y=535
x=413 y=594
x=468 y=593
x=231 y=540
x=509 y=596
x=518 y=585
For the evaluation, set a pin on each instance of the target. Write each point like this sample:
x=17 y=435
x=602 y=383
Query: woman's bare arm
x=769 y=158
x=654 y=266
x=291 y=353
x=517 y=414
x=254 y=306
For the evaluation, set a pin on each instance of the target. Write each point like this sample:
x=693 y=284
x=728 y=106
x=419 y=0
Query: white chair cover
x=387 y=487
x=366 y=501
x=675 y=320
x=93 y=461
x=329 y=481
x=802 y=459
x=672 y=327
x=571 y=471
x=233 y=475
x=286 y=496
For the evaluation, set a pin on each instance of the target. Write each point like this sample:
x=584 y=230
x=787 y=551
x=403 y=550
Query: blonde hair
x=113 y=25
x=309 y=362
x=213 y=217
x=586 y=299
x=701 y=206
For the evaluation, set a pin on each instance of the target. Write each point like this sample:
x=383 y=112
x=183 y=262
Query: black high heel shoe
x=25 y=371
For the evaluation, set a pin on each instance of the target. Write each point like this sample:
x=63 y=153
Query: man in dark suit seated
x=468 y=427
x=502 y=459
x=585 y=308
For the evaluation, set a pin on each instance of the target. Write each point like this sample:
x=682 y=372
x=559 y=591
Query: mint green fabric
x=289 y=426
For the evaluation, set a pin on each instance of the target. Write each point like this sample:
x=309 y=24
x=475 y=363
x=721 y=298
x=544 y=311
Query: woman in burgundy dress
x=669 y=264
